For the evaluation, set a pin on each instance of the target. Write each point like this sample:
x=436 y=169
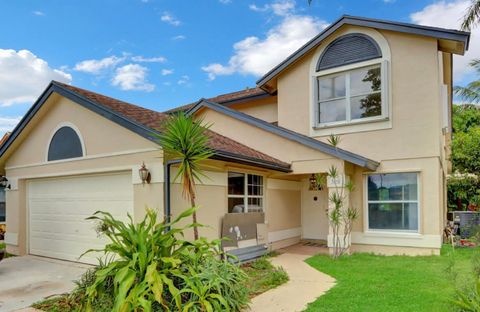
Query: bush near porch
x=367 y=282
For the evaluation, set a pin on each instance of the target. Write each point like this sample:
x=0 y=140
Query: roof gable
x=144 y=122
x=288 y=134
x=462 y=39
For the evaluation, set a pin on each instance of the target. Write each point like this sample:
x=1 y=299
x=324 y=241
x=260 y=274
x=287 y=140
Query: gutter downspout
x=166 y=188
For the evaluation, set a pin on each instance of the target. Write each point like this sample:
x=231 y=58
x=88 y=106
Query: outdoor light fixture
x=144 y=174
x=314 y=183
x=4 y=183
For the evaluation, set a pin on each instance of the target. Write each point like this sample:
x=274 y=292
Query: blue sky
x=161 y=54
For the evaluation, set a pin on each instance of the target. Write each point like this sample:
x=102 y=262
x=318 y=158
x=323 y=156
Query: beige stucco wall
x=265 y=109
x=409 y=140
x=314 y=213
x=109 y=148
x=415 y=92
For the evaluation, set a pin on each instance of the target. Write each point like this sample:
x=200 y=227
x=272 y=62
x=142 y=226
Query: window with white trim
x=392 y=202
x=350 y=96
x=245 y=192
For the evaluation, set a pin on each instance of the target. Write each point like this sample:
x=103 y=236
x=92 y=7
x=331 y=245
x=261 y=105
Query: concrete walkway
x=305 y=285
x=28 y=279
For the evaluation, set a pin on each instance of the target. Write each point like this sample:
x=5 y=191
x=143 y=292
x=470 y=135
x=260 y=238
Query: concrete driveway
x=28 y=279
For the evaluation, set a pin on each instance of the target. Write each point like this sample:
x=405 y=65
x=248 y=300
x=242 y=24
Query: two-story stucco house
x=384 y=87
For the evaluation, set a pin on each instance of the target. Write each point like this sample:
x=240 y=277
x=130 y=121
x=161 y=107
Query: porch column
x=336 y=187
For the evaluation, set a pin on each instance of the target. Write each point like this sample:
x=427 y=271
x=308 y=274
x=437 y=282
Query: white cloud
x=278 y=7
x=389 y=1
x=38 y=13
x=184 y=80
x=96 y=66
x=170 y=19
x=166 y=72
x=23 y=76
x=256 y=56
x=132 y=77
x=449 y=14
x=179 y=37
x=225 y=1
x=7 y=124
x=140 y=59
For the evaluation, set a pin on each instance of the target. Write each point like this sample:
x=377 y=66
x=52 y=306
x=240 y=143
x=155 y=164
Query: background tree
x=470 y=93
x=466 y=139
x=472 y=16
x=185 y=139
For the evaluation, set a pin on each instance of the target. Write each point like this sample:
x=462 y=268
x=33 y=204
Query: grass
x=2 y=245
x=366 y=282
x=263 y=276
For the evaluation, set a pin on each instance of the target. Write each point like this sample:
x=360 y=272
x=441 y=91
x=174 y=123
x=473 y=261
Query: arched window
x=348 y=49
x=65 y=144
x=350 y=81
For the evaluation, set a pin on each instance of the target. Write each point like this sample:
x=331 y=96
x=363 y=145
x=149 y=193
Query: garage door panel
x=58 y=209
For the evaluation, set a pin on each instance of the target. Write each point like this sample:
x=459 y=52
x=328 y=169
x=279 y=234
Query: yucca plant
x=185 y=139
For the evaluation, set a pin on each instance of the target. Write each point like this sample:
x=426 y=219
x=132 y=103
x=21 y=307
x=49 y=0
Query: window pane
x=236 y=183
x=364 y=81
x=236 y=205
x=393 y=216
x=366 y=106
x=392 y=186
x=255 y=205
x=332 y=111
x=331 y=87
x=255 y=185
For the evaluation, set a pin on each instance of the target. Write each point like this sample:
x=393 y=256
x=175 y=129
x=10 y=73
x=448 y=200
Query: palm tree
x=185 y=139
x=471 y=92
x=472 y=17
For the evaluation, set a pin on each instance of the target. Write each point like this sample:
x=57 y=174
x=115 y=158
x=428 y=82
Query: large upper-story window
x=350 y=82
x=65 y=144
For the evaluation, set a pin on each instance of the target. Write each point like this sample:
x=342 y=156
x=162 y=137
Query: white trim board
x=399 y=240
x=284 y=234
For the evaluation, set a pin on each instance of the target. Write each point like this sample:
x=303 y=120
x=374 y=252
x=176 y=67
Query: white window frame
x=367 y=201
x=245 y=195
x=346 y=70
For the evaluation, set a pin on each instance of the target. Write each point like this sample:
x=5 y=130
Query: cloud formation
x=141 y=59
x=170 y=19
x=8 y=123
x=132 y=77
x=93 y=66
x=23 y=76
x=256 y=56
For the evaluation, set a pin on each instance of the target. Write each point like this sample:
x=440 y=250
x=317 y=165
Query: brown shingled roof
x=154 y=120
x=224 y=98
x=4 y=138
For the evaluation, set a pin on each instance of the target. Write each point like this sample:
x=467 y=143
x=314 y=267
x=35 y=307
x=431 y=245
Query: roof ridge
x=76 y=89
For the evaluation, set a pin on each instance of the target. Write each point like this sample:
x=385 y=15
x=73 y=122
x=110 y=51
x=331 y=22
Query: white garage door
x=58 y=208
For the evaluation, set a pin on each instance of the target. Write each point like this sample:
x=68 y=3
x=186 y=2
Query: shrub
x=463 y=191
x=151 y=268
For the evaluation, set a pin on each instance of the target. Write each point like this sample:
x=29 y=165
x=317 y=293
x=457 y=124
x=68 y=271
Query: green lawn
x=367 y=282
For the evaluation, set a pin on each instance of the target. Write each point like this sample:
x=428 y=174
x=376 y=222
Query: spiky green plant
x=340 y=214
x=185 y=139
